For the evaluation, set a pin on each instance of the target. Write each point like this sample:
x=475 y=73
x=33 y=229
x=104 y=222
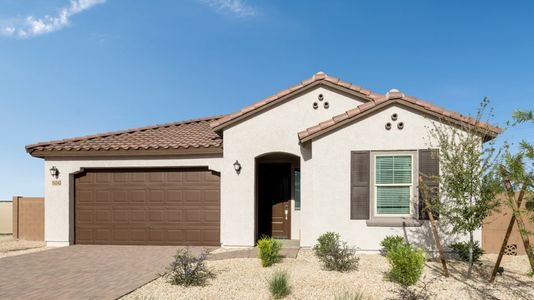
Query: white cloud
x=237 y=8
x=32 y=26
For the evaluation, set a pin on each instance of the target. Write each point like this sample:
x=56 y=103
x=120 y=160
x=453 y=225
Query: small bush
x=188 y=270
x=350 y=296
x=407 y=264
x=269 y=251
x=462 y=250
x=335 y=254
x=391 y=241
x=279 y=285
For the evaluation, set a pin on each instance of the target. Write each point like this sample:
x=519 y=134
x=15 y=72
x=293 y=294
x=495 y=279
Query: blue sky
x=88 y=66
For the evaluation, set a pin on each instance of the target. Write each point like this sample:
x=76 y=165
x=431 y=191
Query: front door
x=274 y=197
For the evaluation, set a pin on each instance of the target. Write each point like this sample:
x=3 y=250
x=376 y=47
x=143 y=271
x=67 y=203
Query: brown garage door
x=147 y=207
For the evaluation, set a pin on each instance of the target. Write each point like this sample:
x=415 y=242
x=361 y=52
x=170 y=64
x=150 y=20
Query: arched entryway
x=277 y=193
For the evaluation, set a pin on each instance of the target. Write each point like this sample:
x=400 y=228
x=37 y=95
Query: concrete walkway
x=83 y=271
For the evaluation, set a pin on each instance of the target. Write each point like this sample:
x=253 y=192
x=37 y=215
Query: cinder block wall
x=28 y=218
x=6 y=217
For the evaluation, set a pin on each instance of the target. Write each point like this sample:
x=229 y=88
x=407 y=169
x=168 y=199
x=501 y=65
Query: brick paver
x=83 y=271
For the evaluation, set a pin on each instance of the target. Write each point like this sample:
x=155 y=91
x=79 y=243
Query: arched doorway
x=277 y=176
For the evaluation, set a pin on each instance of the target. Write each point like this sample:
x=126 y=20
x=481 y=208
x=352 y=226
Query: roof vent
x=394 y=93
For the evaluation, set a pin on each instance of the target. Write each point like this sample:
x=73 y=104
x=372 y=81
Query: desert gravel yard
x=244 y=278
x=11 y=247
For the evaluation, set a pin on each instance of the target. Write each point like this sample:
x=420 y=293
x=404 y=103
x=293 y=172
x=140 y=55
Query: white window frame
x=375 y=185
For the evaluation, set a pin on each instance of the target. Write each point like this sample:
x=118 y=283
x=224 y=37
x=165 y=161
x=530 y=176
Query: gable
x=318 y=80
x=275 y=128
x=423 y=108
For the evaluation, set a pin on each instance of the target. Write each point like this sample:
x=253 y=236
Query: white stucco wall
x=274 y=130
x=58 y=209
x=324 y=165
x=331 y=177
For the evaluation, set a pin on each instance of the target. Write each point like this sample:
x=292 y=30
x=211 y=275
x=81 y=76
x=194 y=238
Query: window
x=393 y=185
x=297 y=189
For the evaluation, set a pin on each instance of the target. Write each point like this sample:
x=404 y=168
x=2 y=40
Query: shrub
x=269 y=251
x=358 y=295
x=188 y=270
x=335 y=254
x=279 y=285
x=391 y=241
x=462 y=250
x=407 y=264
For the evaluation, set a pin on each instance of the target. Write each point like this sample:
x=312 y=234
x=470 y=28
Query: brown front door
x=274 y=196
x=147 y=207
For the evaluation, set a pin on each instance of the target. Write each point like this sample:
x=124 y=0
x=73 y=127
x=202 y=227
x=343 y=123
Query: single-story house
x=323 y=155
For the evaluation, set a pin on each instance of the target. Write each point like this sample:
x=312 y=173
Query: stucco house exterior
x=324 y=155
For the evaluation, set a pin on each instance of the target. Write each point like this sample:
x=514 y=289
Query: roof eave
x=115 y=153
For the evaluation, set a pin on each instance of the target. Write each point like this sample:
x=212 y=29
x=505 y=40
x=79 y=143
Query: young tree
x=468 y=181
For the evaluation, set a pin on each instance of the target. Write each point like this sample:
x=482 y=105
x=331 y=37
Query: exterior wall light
x=237 y=167
x=54 y=172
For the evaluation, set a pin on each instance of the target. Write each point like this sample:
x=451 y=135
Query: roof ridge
x=319 y=76
x=394 y=97
x=119 y=132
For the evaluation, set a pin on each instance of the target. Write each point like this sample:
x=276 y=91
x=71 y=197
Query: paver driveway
x=83 y=271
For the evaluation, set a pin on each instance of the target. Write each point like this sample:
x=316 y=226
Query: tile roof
x=191 y=134
x=488 y=130
x=316 y=79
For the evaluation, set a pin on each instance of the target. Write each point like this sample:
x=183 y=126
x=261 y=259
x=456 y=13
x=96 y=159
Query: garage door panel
x=137 y=177
x=175 y=177
x=142 y=206
x=85 y=196
x=174 y=196
x=156 y=177
x=192 y=196
x=156 y=196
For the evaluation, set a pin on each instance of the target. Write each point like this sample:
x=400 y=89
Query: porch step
x=289 y=243
x=286 y=252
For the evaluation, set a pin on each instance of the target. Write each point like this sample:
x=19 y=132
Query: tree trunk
x=433 y=225
x=471 y=244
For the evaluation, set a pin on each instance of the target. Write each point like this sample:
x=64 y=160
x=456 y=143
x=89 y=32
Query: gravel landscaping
x=11 y=247
x=244 y=278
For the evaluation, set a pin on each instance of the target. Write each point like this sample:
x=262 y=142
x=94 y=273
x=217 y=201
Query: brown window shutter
x=359 y=184
x=429 y=170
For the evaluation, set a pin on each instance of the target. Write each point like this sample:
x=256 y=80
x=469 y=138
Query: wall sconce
x=54 y=172
x=237 y=167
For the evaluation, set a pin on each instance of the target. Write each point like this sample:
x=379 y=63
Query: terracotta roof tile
x=218 y=124
x=195 y=133
x=392 y=97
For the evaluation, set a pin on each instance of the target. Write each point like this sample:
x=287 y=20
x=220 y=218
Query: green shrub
x=269 y=251
x=335 y=254
x=358 y=295
x=188 y=270
x=462 y=250
x=279 y=285
x=391 y=241
x=407 y=264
